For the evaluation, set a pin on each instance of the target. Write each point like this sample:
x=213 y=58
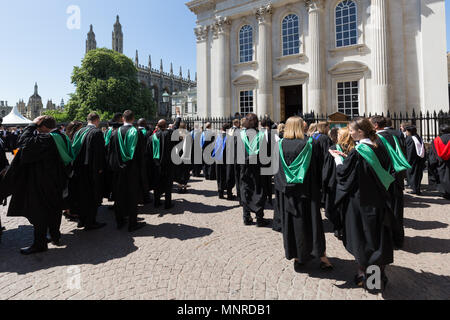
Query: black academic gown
x=109 y=174
x=397 y=193
x=163 y=168
x=209 y=170
x=367 y=215
x=37 y=181
x=415 y=174
x=252 y=192
x=129 y=178
x=196 y=167
x=234 y=168
x=3 y=164
x=267 y=179
x=183 y=170
x=441 y=167
x=299 y=207
x=323 y=143
x=332 y=211
x=86 y=185
x=223 y=183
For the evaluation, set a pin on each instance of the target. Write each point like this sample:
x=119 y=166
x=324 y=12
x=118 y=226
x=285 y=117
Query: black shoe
x=137 y=226
x=360 y=281
x=298 y=266
x=325 y=267
x=33 y=250
x=260 y=223
x=248 y=222
x=140 y=219
x=55 y=242
x=95 y=226
x=221 y=196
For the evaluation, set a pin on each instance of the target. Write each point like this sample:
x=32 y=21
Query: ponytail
x=367 y=127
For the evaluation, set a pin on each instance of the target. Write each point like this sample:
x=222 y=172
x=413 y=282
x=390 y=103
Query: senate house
x=286 y=57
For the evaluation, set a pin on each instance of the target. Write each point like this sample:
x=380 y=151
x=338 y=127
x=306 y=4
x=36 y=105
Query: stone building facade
x=157 y=80
x=186 y=102
x=4 y=108
x=284 y=57
x=34 y=107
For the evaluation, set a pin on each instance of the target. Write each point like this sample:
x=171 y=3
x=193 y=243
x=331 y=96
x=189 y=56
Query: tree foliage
x=107 y=83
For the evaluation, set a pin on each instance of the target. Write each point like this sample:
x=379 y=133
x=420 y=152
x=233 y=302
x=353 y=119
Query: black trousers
x=167 y=197
x=247 y=215
x=52 y=226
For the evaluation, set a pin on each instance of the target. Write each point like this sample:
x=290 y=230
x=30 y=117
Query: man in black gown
x=86 y=185
x=3 y=166
x=253 y=197
x=126 y=160
x=397 y=187
x=160 y=145
x=37 y=179
x=207 y=138
x=439 y=159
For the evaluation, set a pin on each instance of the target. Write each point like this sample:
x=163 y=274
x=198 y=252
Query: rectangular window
x=246 y=102
x=348 y=98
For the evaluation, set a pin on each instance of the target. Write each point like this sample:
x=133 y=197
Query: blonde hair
x=312 y=128
x=280 y=128
x=345 y=140
x=322 y=127
x=294 y=128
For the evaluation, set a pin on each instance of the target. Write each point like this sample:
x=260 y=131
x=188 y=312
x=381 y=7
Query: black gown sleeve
x=346 y=176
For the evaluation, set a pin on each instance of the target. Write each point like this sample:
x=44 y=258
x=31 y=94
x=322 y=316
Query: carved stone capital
x=314 y=5
x=201 y=32
x=264 y=13
x=222 y=25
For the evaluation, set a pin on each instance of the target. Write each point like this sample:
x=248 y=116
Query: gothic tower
x=117 y=37
x=91 y=44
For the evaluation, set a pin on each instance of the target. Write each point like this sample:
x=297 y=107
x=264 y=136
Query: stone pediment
x=348 y=67
x=245 y=79
x=290 y=74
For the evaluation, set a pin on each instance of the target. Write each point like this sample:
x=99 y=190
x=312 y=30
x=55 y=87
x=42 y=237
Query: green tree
x=107 y=83
x=60 y=116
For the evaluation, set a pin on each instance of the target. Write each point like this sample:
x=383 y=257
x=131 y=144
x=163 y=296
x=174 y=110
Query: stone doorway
x=291 y=101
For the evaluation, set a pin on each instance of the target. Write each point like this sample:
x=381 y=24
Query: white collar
x=127 y=124
x=366 y=141
x=380 y=131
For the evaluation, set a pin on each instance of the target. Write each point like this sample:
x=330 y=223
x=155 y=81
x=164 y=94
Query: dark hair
x=128 y=115
x=444 y=128
x=388 y=122
x=1 y=120
x=412 y=129
x=93 y=116
x=117 y=117
x=226 y=126
x=142 y=123
x=48 y=122
x=72 y=128
x=379 y=121
x=334 y=134
x=252 y=121
x=365 y=126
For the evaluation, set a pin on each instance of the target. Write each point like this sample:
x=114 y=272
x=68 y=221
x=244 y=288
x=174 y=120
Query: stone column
x=223 y=65
x=203 y=65
x=317 y=94
x=265 y=86
x=380 y=57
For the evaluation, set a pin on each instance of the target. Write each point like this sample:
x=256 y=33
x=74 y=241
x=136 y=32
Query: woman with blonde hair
x=298 y=197
x=363 y=181
x=344 y=144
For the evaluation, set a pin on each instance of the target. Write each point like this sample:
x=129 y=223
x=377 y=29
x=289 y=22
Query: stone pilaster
x=317 y=94
x=380 y=55
x=222 y=37
x=264 y=58
x=203 y=65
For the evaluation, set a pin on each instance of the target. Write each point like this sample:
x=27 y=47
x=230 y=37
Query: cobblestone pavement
x=201 y=250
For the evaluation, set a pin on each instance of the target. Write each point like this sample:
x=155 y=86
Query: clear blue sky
x=37 y=46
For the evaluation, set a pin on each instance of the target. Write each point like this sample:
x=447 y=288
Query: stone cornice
x=197 y=6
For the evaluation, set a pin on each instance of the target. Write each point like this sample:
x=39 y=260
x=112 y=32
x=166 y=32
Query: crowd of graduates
x=356 y=174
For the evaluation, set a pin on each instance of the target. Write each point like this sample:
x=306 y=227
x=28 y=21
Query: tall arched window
x=246 y=44
x=346 y=24
x=291 y=35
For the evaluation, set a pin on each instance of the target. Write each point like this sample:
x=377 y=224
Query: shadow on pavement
x=173 y=231
x=423 y=225
x=417 y=245
x=183 y=205
x=422 y=202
